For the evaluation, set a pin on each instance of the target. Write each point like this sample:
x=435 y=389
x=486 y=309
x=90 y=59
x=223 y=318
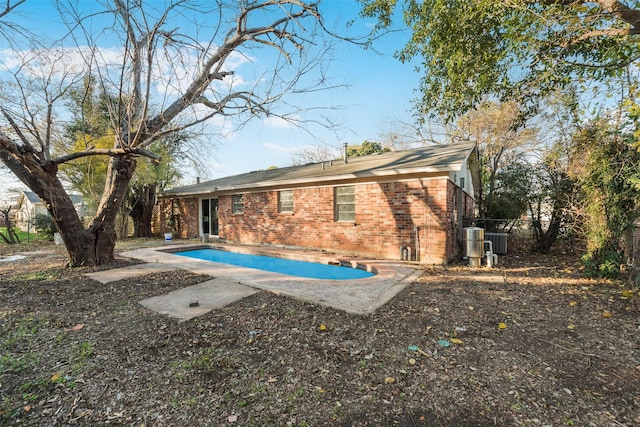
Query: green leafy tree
x=509 y=196
x=366 y=148
x=513 y=50
x=90 y=127
x=606 y=168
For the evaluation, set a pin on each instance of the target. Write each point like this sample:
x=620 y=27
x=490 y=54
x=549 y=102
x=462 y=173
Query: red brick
x=386 y=214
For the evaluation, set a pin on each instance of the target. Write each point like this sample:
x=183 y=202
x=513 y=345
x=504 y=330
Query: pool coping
x=357 y=296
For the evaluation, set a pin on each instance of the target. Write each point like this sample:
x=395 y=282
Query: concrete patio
x=230 y=283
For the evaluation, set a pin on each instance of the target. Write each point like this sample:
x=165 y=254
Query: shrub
x=44 y=223
x=604 y=264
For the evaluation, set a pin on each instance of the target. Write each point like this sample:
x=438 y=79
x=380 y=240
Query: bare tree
x=398 y=134
x=9 y=236
x=502 y=139
x=182 y=67
x=315 y=154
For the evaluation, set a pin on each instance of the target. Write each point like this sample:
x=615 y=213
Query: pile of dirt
x=529 y=343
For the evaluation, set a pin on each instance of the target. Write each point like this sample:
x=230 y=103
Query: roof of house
x=33 y=197
x=429 y=159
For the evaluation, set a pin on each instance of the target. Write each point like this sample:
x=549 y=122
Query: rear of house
x=408 y=204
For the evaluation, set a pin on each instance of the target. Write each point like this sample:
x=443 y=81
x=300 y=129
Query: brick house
x=369 y=206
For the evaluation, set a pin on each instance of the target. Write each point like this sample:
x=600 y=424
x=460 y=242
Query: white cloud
x=279 y=149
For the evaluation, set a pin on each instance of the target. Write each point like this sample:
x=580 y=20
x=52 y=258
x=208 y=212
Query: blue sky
x=378 y=88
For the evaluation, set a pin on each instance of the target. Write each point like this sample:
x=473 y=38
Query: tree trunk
x=102 y=228
x=142 y=211
x=546 y=239
x=96 y=244
x=11 y=237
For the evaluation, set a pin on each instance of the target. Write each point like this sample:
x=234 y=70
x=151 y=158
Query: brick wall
x=186 y=211
x=386 y=217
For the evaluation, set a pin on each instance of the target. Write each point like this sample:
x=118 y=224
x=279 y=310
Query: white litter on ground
x=12 y=258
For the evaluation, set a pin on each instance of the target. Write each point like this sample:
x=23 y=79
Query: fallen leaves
x=296 y=363
x=628 y=293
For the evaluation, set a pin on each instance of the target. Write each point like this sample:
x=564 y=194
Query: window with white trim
x=345 y=203
x=237 y=204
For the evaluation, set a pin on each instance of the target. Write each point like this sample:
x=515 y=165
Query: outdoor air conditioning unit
x=499 y=242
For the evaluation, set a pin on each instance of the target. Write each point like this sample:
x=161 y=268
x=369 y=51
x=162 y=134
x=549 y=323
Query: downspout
x=460 y=209
x=416 y=230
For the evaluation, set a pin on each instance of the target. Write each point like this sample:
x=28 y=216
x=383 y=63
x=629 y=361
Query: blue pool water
x=310 y=270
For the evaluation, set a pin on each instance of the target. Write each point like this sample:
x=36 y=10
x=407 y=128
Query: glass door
x=209 y=215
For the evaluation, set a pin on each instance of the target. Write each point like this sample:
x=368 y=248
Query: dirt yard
x=545 y=347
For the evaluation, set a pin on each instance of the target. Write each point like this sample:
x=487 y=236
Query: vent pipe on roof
x=346 y=160
x=197 y=180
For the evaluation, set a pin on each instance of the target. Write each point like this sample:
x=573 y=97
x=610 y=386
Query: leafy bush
x=44 y=223
x=603 y=264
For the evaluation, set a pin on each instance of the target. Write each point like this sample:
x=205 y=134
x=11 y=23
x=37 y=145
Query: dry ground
x=75 y=352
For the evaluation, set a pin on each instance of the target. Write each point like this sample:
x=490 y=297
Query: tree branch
x=16 y=128
x=113 y=152
x=240 y=35
x=611 y=32
x=622 y=11
x=9 y=7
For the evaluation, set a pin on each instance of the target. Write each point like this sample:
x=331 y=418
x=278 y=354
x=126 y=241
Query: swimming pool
x=290 y=267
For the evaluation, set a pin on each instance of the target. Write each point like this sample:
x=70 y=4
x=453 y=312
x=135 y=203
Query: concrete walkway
x=196 y=300
x=230 y=283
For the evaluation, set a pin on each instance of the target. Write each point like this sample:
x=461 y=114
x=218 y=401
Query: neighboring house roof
x=429 y=159
x=33 y=197
x=35 y=200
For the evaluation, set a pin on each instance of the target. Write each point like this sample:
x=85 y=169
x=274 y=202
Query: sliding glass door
x=209 y=215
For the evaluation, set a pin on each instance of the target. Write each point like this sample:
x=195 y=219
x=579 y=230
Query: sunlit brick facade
x=413 y=212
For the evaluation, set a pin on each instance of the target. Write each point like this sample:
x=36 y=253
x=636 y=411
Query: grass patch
x=37 y=276
x=16 y=358
x=25 y=236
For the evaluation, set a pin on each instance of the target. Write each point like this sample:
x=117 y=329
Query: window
x=237 y=204
x=285 y=201
x=345 y=203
